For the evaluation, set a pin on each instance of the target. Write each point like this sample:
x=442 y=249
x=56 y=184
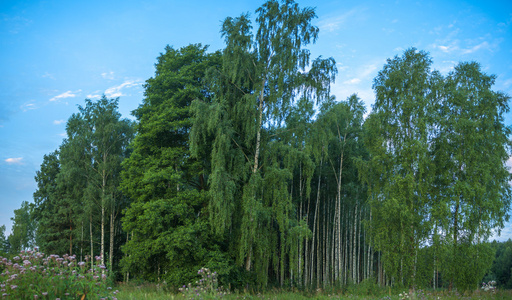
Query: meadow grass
x=154 y=292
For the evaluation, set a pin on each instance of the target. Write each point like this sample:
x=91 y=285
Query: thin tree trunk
x=256 y=158
x=103 y=187
x=71 y=240
x=82 y=242
x=111 y=246
x=315 y=220
x=92 y=246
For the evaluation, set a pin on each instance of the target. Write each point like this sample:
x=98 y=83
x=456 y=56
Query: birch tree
x=261 y=79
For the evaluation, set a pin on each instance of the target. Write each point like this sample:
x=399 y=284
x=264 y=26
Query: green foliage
x=469 y=266
x=473 y=183
x=501 y=270
x=23 y=229
x=77 y=201
x=167 y=221
x=31 y=275
x=4 y=242
x=399 y=172
x=434 y=173
x=265 y=82
x=51 y=236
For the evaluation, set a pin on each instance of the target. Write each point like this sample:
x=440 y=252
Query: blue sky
x=55 y=54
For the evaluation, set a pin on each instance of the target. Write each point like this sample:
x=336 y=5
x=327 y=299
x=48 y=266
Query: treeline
x=242 y=161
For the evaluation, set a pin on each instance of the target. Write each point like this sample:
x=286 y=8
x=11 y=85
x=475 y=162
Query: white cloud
x=352 y=81
x=63 y=135
x=92 y=97
x=109 y=75
x=14 y=160
x=48 y=75
x=507 y=83
x=483 y=45
x=334 y=23
x=68 y=94
x=58 y=122
x=455 y=46
x=28 y=106
x=116 y=91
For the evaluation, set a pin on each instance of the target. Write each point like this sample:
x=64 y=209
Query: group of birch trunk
x=339 y=250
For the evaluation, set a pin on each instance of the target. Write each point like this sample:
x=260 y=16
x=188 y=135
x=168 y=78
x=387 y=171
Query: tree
x=22 y=236
x=473 y=146
x=262 y=79
x=4 y=242
x=338 y=137
x=77 y=184
x=100 y=138
x=399 y=173
x=167 y=221
x=501 y=269
x=51 y=236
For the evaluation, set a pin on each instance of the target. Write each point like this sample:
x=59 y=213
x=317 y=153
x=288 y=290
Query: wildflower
x=36 y=297
x=45 y=293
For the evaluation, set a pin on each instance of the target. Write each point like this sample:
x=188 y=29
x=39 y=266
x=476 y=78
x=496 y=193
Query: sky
x=55 y=54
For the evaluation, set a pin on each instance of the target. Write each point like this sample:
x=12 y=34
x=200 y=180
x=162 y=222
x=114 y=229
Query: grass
x=156 y=292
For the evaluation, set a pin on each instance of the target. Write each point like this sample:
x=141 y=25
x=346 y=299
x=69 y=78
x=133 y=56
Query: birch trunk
x=314 y=223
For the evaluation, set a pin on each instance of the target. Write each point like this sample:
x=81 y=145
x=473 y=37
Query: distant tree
x=501 y=269
x=50 y=233
x=23 y=229
x=4 y=242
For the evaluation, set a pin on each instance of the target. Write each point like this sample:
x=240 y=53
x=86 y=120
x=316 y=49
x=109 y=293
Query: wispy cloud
x=28 y=106
x=454 y=47
x=93 y=96
x=14 y=160
x=48 y=75
x=68 y=94
x=116 y=91
x=58 y=122
x=507 y=84
x=331 y=24
x=16 y=24
x=108 y=75
x=483 y=45
x=352 y=81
